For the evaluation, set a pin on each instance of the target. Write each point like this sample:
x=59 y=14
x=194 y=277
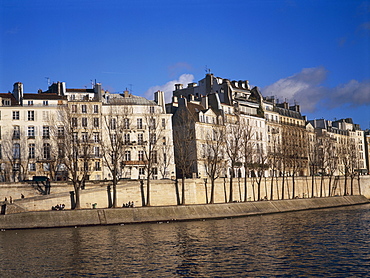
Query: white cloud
x=306 y=88
x=169 y=87
x=303 y=87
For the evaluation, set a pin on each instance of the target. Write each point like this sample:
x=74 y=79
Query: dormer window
x=6 y=102
x=30 y=102
x=45 y=102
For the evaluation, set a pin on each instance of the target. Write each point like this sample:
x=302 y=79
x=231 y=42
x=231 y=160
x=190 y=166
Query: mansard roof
x=10 y=96
x=46 y=96
x=121 y=99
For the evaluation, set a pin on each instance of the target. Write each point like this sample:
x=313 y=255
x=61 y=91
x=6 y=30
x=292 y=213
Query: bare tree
x=184 y=143
x=113 y=144
x=151 y=147
x=233 y=144
x=214 y=155
x=247 y=150
x=274 y=155
x=76 y=148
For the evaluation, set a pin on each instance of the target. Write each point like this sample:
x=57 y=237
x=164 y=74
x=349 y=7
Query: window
x=127 y=155
x=152 y=123
x=153 y=138
x=151 y=109
x=45 y=115
x=46 y=149
x=113 y=123
x=60 y=131
x=83 y=108
x=140 y=155
x=163 y=123
x=164 y=140
x=16 y=151
x=16 y=132
x=127 y=138
x=75 y=136
x=61 y=150
x=31 y=151
x=74 y=108
x=154 y=157
x=141 y=171
x=46 y=167
x=126 y=123
x=84 y=122
x=140 y=138
x=15 y=115
x=155 y=173
x=45 y=102
x=96 y=122
x=97 y=166
x=30 y=102
x=74 y=122
x=45 y=132
x=32 y=167
x=96 y=151
x=96 y=137
x=31 y=115
x=6 y=102
x=31 y=132
x=84 y=136
x=96 y=109
x=139 y=123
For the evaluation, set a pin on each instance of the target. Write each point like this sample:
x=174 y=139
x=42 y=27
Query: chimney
x=205 y=102
x=63 y=89
x=18 y=92
x=183 y=102
x=159 y=99
x=178 y=87
x=97 y=91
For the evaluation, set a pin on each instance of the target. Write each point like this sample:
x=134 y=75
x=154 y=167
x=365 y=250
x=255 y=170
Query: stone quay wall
x=90 y=217
x=163 y=192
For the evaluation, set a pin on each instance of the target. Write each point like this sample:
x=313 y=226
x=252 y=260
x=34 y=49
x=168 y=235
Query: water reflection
x=327 y=243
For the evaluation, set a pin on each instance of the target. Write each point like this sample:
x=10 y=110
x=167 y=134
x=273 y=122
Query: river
x=326 y=243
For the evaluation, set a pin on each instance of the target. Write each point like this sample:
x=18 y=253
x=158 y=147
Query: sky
x=314 y=53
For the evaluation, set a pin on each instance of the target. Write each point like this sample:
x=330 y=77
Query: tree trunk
x=293 y=186
x=212 y=191
x=321 y=184
x=177 y=192
x=245 y=187
x=147 y=192
x=231 y=189
x=77 y=197
x=312 y=185
x=114 y=185
x=272 y=188
x=183 y=191
x=282 y=187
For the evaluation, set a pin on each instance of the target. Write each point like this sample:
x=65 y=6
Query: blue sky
x=315 y=53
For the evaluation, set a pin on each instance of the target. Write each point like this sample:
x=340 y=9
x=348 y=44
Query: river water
x=324 y=243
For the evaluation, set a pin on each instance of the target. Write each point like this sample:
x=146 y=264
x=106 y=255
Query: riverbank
x=94 y=217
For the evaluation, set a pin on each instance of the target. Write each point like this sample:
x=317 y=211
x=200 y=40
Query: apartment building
x=26 y=146
x=63 y=130
x=216 y=106
x=346 y=147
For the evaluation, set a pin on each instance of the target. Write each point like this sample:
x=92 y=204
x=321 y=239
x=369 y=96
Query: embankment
x=90 y=217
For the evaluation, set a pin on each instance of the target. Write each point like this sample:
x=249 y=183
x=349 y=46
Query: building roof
x=79 y=90
x=121 y=99
x=10 y=96
x=46 y=96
